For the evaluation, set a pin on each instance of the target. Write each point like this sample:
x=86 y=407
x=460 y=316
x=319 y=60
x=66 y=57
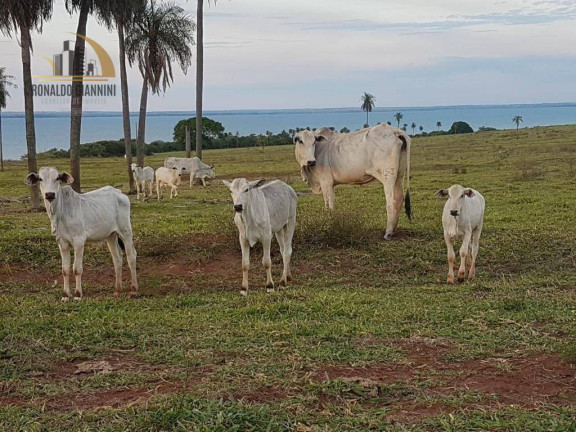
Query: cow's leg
x=191 y=180
x=288 y=233
x=158 y=190
x=131 y=258
x=463 y=254
x=280 y=237
x=451 y=258
x=245 y=246
x=150 y=185
x=203 y=181
x=474 y=252
x=78 y=267
x=267 y=262
x=114 y=248
x=65 y=254
x=329 y=196
x=391 y=214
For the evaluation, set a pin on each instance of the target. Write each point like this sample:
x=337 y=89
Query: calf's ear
x=469 y=193
x=442 y=193
x=257 y=183
x=65 y=178
x=32 y=179
x=227 y=184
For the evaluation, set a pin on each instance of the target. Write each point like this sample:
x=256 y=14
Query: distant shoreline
x=45 y=114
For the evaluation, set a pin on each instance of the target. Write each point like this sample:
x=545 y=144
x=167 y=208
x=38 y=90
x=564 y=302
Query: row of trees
x=151 y=34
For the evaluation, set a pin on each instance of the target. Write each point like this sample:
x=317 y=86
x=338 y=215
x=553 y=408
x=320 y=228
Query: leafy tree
x=344 y=130
x=460 y=127
x=5 y=82
x=439 y=125
x=398 y=116
x=368 y=103
x=160 y=34
x=25 y=16
x=413 y=126
x=421 y=128
x=404 y=127
x=211 y=131
x=517 y=119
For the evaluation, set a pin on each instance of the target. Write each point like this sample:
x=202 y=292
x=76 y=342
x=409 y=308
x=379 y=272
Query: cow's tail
x=406 y=143
x=121 y=243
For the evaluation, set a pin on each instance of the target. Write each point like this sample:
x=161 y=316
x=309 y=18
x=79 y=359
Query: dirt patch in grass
x=264 y=394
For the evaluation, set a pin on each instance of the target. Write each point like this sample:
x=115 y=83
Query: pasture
x=368 y=337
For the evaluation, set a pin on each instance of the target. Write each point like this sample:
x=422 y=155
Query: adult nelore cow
x=194 y=167
x=100 y=215
x=380 y=153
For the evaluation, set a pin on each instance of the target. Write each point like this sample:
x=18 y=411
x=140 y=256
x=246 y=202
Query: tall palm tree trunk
x=1 y=155
x=77 y=96
x=25 y=42
x=142 y=122
x=367 y=118
x=125 y=105
x=199 y=74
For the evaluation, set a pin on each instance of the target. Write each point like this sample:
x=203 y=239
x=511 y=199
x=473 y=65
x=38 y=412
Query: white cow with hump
x=382 y=153
x=463 y=216
x=194 y=167
x=261 y=211
x=100 y=215
x=141 y=177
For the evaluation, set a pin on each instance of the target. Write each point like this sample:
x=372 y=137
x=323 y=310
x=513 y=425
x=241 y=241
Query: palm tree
x=421 y=128
x=517 y=119
x=398 y=116
x=368 y=102
x=102 y=9
x=124 y=12
x=438 y=125
x=5 y=82
x=413 y=126
x=26 y=15
x=160 y=34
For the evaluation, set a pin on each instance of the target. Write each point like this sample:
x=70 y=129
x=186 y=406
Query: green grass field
x=368 y=337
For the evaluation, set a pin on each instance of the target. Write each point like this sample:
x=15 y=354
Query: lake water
x=52 y=129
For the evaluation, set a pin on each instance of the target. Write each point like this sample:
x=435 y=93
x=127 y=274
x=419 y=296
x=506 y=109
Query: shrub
x=460 y=127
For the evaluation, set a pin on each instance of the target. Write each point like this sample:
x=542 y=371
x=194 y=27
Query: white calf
x=141 y=177
x=463 y=216
x=103 y=214
x=168 y=177
x=260 y=212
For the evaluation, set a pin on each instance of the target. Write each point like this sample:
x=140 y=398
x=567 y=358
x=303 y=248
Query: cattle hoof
x=460 y=279
x=65 y=299
x=77 y=298
x=450 y=280
x=388 y=237
x=243 y=293
x=116 y=293
x=132 y=293
x=282 y=283
x=269 y=290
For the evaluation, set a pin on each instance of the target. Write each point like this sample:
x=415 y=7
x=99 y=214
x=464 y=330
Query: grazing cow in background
x=141 y=177
x=463 y=216
x=382 y=153
x=262 y=210
x=170 y=177
x=103 y=214
x=194 y=167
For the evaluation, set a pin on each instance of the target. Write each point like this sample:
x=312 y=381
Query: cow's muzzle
x=311 y=163
x=50 y=196
x=454 y=213
x=238 y=208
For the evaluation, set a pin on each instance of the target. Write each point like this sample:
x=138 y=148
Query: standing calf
x=141 y=177
x=260 y=212
x=463 y=216
x=103 y=214
x=170 y=177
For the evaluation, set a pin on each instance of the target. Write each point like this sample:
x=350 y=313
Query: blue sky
x=326 y=53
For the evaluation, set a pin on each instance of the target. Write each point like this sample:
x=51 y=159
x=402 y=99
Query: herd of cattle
x=262 y=210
